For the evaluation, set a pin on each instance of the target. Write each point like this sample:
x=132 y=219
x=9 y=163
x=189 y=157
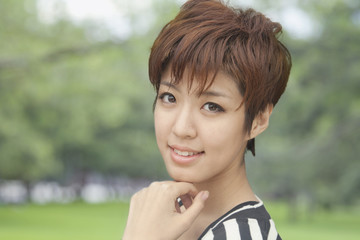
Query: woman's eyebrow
x=170 y=85
x=206 y=93
x=215 y=94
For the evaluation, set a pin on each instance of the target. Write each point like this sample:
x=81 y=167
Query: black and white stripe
x=247 y=221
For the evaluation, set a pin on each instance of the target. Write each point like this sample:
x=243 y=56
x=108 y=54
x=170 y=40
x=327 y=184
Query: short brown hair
x=207 y=37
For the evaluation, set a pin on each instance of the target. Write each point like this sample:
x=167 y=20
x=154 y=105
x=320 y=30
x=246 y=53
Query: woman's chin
x=181 y=174
x=182 y=177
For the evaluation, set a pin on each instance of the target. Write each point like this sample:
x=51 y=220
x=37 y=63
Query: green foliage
x=312 y=144
x=71 y=105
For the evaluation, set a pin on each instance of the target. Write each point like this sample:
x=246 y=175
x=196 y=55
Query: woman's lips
x=184 y=156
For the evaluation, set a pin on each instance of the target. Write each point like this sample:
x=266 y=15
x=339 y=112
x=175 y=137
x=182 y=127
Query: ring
x=180 y=202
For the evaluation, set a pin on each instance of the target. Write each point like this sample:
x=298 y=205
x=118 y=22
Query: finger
x=137 y=200
x=184 y=188
x=197 y=205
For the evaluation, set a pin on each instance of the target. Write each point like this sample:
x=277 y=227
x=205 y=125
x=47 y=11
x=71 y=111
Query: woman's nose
x=184 y=125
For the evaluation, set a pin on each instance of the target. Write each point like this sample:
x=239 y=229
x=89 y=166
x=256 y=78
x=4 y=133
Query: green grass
x=340 y=223
x=55 y=222
x=107 y=222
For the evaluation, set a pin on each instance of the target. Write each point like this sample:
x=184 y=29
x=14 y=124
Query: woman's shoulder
x=249 y=220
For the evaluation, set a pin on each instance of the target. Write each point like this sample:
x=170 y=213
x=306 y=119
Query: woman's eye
x=213 y=107
x=167 y=98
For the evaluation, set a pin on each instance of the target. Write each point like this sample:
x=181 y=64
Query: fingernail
x=204 y=195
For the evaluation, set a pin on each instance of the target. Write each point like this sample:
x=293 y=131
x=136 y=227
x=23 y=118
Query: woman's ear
x=261 y=121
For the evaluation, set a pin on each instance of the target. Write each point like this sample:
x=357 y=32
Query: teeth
x=185 y=154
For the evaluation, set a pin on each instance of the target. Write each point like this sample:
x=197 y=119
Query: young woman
x=218 y=72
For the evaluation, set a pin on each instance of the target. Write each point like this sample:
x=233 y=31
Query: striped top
x=247 y=221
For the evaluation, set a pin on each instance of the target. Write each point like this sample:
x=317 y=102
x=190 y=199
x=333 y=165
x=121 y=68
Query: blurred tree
x=311 y=146
x=25 y=153
x=331 y=80
x=71 y=105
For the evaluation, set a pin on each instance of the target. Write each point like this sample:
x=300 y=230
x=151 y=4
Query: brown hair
x=207 y=37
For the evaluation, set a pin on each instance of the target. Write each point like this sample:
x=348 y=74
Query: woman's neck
x=227 y=191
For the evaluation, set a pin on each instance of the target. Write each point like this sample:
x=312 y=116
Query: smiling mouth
x=186 y=153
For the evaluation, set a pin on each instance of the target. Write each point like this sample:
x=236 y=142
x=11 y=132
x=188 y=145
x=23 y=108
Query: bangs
x=195 y=43
x=195 y=60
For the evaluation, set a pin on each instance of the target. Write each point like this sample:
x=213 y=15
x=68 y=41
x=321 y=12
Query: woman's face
x=200 y=137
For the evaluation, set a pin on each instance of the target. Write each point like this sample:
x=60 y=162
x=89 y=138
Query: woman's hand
x=154 y=213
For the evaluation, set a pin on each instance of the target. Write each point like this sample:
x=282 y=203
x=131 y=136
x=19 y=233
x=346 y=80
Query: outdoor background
x=76 y=124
